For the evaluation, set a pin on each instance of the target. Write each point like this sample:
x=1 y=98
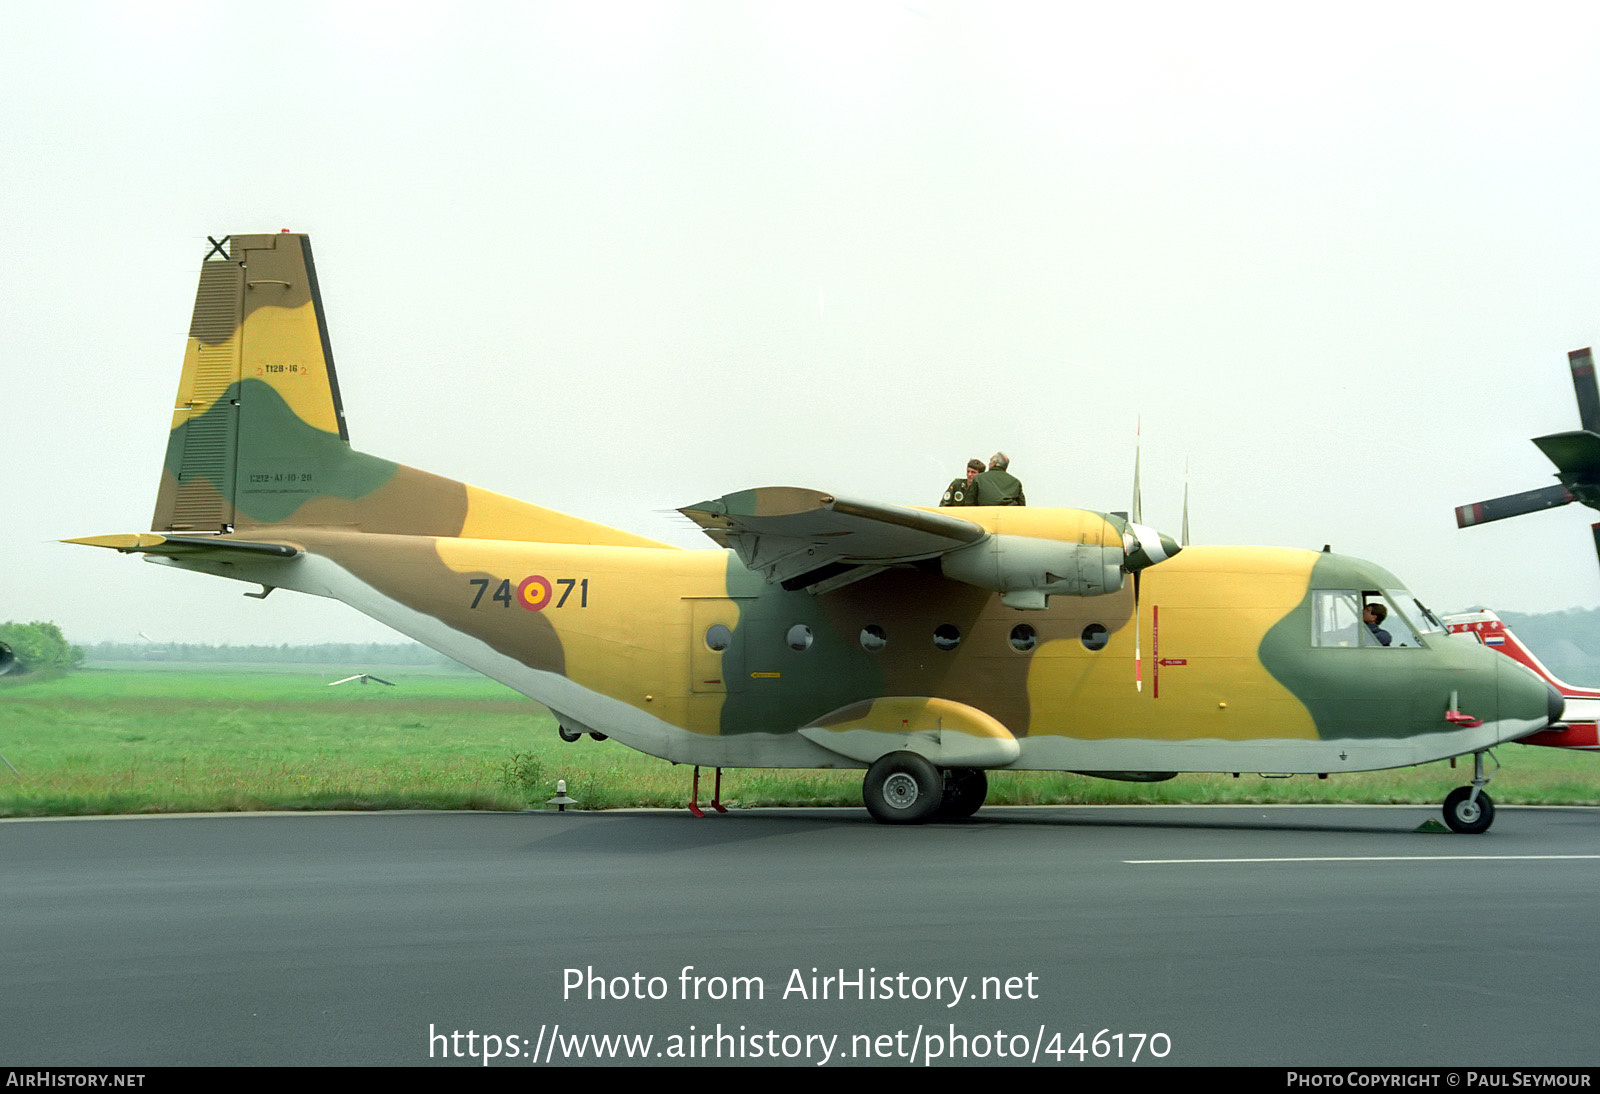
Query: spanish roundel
x=534 y=593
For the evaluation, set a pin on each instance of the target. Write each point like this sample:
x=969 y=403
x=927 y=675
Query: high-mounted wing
x=805 y=539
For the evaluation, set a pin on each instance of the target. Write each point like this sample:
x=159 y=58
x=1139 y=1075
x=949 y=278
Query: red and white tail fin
x=1580 y=726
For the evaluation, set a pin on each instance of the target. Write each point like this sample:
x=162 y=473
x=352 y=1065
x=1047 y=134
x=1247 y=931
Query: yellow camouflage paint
x=495 y=516
x=922 y=644
x=283 y=349
x=1209 y=607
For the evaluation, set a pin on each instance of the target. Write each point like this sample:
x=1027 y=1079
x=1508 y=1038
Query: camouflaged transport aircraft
x=923 y=646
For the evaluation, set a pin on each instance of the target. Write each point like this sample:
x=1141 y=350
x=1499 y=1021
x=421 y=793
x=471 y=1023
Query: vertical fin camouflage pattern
x=258 y=434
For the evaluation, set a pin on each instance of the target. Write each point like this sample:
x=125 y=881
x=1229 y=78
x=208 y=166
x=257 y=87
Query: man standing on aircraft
x=1373 y=615
x=997 y=486
x=960 y=491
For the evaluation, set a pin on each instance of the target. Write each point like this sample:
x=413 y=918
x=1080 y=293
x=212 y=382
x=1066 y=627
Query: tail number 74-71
x=534 y=592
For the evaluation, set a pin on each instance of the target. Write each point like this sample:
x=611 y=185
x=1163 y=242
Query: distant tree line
x=37 y=647
x=323 y=653
x=1567 y=642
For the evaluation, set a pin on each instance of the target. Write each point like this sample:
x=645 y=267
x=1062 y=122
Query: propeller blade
x=1137 y=507
x=1138 y=661
x=1512 y=505
x=1581 y=362
x=1183 y=541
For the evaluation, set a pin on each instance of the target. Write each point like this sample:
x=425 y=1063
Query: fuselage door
x=715 y=647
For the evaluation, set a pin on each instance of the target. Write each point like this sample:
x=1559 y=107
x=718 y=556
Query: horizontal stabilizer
x=1512 y=505
x=152 y=544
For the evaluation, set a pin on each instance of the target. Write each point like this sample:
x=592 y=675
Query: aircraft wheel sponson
x=902 y=788
x=964 y=792
x=568 y=735
x=1468 y=817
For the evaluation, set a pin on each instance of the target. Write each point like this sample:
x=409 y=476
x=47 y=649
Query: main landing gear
x=1468 y=809
x=904 y=788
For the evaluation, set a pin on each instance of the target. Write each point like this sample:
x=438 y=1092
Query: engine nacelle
x=1025 y=570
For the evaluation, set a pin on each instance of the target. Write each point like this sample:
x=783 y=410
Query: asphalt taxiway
x=1242 y=935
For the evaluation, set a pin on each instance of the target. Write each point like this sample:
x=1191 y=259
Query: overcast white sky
x=615 y=258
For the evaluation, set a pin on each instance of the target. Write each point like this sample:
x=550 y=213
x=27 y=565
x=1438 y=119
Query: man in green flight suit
x=997 y=486
x=960 y=491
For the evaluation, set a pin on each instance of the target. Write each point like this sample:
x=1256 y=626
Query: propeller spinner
x=1576 y=454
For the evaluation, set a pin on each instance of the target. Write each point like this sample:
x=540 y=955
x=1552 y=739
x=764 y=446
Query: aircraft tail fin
x=1579 y=727
x=259 y=438
x=1488 y=628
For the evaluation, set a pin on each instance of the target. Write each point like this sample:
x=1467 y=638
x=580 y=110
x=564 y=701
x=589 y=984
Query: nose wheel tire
x=902 y=788
x=1465 y=815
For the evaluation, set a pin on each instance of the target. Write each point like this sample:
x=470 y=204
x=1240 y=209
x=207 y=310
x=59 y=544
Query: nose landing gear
x=1467 y=809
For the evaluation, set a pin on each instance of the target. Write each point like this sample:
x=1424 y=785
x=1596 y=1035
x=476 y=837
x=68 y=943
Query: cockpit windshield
x=1416 y=614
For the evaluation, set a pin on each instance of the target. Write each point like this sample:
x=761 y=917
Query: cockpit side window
x=1335 y=618
x=1365 y=618
x=1375 y=620
x=1385 y=622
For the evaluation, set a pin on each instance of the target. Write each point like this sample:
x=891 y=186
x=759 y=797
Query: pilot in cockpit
x=1373 y=616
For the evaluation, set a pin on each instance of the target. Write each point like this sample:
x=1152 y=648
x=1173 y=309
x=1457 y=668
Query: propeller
x=1575 y=453
x=1143 y=547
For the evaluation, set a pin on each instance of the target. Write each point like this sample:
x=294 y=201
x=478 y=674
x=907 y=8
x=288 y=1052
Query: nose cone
x=1525 y=698
x=1144 y=546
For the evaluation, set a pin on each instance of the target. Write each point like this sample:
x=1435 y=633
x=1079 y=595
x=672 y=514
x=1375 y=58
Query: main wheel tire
x=1465 y=816
x=569 y=735
x=902 y=788
x=964 y=793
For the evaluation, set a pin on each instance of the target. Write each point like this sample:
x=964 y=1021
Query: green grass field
x=136 y=739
